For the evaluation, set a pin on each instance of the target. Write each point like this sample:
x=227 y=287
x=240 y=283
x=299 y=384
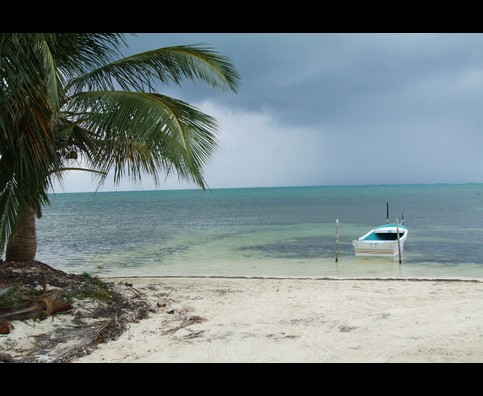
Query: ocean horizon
x=263 y=231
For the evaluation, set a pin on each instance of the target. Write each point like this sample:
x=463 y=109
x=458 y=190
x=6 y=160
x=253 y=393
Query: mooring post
x=398 y=240
x=336 y=240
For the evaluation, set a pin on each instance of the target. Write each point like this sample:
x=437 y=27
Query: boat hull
x=377 y=249
x=381 y=241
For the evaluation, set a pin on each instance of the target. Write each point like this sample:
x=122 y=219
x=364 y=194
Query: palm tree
x=72 y=101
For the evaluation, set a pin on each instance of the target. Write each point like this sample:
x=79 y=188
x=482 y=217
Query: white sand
x=303 y=320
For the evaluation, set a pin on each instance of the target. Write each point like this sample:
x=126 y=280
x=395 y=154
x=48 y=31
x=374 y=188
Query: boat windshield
x=385 y=236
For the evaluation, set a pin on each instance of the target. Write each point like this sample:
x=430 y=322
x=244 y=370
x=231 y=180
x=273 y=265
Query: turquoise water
x=285 y=231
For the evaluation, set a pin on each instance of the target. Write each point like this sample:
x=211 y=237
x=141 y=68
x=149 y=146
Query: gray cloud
x=360 y=103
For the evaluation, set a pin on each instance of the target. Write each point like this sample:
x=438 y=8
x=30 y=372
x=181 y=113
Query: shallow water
x=286 y=231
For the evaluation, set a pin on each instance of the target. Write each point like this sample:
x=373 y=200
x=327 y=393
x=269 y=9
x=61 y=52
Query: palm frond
x=138 y=133
x=23 y=71
x=9 y=208
x=78 y=53
x=29 y=105
x=171 y=64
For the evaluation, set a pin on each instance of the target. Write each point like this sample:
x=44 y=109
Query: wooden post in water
x=398 y=241
x=387 y=212
x=336 y=240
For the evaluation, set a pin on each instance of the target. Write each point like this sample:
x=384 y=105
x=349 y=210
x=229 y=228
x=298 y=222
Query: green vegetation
x=99 y=289
x=72 y=101
x=18 y=296
x=92 y=288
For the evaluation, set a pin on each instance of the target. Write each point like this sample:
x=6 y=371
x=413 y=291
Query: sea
x=300 y=232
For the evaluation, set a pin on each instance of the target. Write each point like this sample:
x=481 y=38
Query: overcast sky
x=335 y=109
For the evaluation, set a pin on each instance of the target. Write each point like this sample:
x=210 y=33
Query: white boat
x=386 y=241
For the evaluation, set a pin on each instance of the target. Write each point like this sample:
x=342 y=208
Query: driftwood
x=136 y=292
x=43 y=306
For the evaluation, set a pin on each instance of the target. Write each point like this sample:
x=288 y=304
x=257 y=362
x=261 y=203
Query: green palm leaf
x=69 y=99
x=139 y=72
x=137 y=132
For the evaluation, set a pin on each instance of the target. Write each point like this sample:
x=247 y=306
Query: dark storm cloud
x=312 y=79
x=316 y=109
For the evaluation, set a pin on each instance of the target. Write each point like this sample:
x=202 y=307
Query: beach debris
x=70 y=341
x=6 y=358
x=346 y=329
x=225 y=290
x=194 y=319
x=6 y=327
x=101 y=312
x=163 y=303
x=136 y=292
x=185 y=322
x=383 y=315
x=43 y=306
x=4 y=292
x=154 y=287
x=188 y=334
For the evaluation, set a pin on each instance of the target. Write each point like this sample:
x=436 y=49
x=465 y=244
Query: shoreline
x=275 y=319
x=322 y=278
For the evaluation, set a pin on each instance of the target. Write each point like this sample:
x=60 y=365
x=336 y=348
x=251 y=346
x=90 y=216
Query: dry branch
x=43 y=306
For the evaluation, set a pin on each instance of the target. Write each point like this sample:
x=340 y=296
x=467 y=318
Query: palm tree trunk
x=23 y=245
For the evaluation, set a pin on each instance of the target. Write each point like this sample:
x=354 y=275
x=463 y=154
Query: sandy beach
x=302 y=320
